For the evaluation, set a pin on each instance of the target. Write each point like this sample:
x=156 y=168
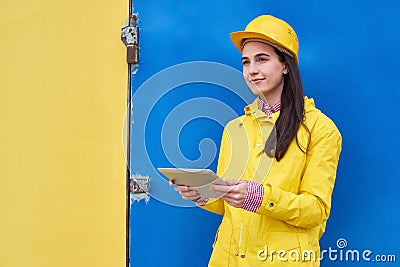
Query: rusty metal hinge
x=130 y=37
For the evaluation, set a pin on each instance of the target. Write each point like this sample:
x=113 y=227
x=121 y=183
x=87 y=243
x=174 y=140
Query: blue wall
x=349 y=64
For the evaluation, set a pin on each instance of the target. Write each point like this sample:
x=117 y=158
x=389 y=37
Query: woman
x=279 y=160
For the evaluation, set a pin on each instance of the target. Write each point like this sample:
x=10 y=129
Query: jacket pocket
x=281 y=240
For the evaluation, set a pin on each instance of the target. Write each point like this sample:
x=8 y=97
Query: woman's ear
x=285 y=68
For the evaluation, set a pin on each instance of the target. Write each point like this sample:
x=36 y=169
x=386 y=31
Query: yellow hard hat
x=274 y=31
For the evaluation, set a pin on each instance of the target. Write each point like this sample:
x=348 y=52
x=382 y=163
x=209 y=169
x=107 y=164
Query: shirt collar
x=268 y=109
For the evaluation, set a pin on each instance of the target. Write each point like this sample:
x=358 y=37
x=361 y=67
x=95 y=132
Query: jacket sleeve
x=218 y=205
x=311 y=206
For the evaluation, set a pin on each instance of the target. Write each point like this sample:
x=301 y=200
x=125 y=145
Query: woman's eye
x=245 y=62
x=262 y=59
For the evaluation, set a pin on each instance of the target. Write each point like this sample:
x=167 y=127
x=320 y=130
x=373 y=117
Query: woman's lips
x=256 y=81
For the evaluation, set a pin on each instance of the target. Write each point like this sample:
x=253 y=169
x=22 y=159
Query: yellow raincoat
x=285 y=230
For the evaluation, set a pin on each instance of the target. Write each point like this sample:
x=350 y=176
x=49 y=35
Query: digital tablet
x=198 y=179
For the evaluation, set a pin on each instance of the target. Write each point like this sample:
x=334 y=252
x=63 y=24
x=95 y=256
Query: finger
x=231 y=182
x=171 y=182
x=220 y=189
x=237 y=194
x=227 y=195
x=233 y=202
x=191 y=198
x=240 y=188
x=232 y=194
x=190 y=195
x=181 y=188
x=234 y=198
x=231 y=191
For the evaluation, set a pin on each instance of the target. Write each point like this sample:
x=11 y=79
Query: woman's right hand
x=185 y=191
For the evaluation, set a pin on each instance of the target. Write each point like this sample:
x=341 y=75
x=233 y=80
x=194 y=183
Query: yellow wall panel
x=62 y=106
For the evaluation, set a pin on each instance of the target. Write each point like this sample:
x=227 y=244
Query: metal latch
x=130 y=37
x=139 y=184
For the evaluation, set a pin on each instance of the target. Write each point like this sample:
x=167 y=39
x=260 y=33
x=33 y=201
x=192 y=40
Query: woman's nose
x=253 y=69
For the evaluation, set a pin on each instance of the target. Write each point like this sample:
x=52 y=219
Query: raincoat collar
x=252 y=109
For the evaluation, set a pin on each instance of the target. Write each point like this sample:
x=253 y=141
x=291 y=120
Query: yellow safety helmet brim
x=238 y=38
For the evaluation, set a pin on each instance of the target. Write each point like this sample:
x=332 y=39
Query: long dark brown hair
x=291 y=116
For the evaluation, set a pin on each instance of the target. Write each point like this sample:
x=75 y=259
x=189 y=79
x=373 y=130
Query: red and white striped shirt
x=267 y=109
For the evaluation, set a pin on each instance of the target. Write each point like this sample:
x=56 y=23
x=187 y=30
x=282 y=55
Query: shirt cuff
x=254 y=197
x=201 y=201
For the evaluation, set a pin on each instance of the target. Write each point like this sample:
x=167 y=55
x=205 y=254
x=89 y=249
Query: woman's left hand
x=234 y=192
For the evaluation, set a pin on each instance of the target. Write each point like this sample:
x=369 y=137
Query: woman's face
x=263 y=71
